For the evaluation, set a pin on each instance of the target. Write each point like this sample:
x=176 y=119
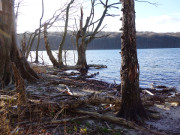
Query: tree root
x=118 y=120
x=20 y=87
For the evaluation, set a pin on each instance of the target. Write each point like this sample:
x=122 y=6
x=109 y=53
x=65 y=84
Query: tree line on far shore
x=113 y=41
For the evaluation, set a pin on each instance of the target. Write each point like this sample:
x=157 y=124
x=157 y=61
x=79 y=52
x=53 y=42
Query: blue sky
x=165 y=17
x=164 y=7
x=162 y=18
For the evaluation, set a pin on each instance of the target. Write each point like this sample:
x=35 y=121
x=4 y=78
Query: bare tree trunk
x=64 y=35
x=5 y=69
x=48 y=49
x=39 y=34
x=23 y=44
x=84 y=36
x=82 y=57
x=9 y=49
x=131 y=108
x=30 y=43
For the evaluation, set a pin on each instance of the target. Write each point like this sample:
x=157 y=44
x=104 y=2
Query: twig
x=57 y=114
x=69 y=119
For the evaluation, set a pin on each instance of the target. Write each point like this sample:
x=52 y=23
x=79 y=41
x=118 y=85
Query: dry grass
x=4 y=124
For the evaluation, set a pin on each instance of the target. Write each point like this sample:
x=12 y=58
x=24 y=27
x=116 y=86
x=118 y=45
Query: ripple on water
x=160 y=66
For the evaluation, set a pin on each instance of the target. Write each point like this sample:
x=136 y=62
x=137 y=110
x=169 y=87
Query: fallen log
x=90 y=99
x=118 y=120
x=69 y=119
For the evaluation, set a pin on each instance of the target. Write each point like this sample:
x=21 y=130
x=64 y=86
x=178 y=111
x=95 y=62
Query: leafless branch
x=103 y=36
x=155 y=4
x=112 y=5
x=17 y=7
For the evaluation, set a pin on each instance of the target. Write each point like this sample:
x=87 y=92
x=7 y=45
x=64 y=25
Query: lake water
x=157 y=66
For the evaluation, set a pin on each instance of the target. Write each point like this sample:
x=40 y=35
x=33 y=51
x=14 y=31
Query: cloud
x=163 y=23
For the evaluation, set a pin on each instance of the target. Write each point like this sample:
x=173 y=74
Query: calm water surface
x=157 y=66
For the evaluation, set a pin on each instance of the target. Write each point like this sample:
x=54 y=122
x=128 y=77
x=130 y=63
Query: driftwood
x=118 y=120
x=97 y=66
x=174 y=98
x=34 y=124
x=102 y=98
x=76 y=67
x=90 y=99
x=69 y=119
x=83 y=83
x=75 y=102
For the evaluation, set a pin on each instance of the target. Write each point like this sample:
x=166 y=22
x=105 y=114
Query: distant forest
x=113 y=41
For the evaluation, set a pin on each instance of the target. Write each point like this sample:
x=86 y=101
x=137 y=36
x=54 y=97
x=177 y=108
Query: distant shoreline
x=144 y=40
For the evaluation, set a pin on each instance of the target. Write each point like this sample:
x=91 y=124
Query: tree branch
x=155 y=4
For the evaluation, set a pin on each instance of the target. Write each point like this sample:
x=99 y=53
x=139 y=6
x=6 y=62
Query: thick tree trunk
x=82 y=57
x=131 y=108
x=9 y=51
x=5 y=70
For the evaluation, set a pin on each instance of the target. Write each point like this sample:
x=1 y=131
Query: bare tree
x=48 y=49
x=131 y=107
x=58 y=63
x=17 y=8
x=39 y=33
x=64 y=35
x=85 y=36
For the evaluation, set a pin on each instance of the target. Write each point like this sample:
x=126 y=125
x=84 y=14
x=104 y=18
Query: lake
x=157 y=66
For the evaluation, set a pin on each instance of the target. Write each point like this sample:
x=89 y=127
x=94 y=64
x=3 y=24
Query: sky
x=165 y=17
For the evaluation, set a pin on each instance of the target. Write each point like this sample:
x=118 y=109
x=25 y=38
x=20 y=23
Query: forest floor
x=65 y=103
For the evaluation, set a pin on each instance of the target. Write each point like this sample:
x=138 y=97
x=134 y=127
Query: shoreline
x=73 y=103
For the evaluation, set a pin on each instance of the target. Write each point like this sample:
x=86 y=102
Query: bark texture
x=39 y=33
x=61 y=45
x=132 y=108
x=9 y=49
x=84 y=37
x=20 y=87
x=48 y=49
x=82 y=56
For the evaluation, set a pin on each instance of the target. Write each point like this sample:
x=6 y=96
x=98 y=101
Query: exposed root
x=20 y=87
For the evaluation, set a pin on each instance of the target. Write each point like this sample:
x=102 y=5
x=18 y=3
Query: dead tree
x=47 y=25
x=64 y=34
x=31 y=39
x=39 y=33
x=17 y=8
x=84 y=36
x=48 y=49
x=131 y=106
